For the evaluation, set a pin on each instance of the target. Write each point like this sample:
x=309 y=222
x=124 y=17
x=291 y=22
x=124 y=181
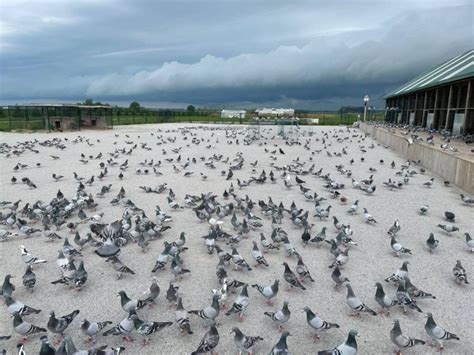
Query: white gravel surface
x=368 y=263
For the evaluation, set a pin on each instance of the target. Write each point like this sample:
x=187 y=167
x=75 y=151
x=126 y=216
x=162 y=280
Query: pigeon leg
x=270 y=302
x=241 y=317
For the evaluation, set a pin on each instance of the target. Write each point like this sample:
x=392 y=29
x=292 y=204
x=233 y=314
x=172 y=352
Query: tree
x=191 y=109
x=89 y=102
x=135 y=106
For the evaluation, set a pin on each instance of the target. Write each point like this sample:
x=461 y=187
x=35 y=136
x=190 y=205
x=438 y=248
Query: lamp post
x=366 y=100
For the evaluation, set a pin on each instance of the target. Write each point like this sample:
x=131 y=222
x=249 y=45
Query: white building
x=278 y=112
x=233 y=113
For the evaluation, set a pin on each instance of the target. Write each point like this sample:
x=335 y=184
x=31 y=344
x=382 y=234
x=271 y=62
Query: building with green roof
x=441 y=98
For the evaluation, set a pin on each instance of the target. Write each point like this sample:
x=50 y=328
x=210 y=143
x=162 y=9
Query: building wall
x=456 y=169
x=445 y=106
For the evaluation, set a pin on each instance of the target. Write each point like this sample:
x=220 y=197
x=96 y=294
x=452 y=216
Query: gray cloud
x=226 y=52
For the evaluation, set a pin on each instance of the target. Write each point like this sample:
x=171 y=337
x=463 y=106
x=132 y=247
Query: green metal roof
x=457 y=68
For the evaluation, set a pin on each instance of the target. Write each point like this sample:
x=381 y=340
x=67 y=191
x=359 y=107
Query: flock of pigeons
x=235 y=223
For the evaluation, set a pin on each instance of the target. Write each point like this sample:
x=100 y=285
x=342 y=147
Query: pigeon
x=349 y=347
x=448 y=228
x=383 y=300
x=7 y=287
x=28 y=258
x=172 y=294
x=153 y=292
x=355 y=304
x=432 y=243
x=210 y=313
x=280 y=317
x=92 y=329
x=146 y=328
x=209 y=341
x=240 y=304
x=337 y=277
x=469 y=242
x=404 y=298
x=429 y=183
x=258 y=256
x=239 y=261
x=401 y=340
x=181 y=316
x=268 y=292
x=24 y=328
x=290 y=277
x=423 y=209
x=415 y=292
x=29 y=278
x=400 y=274
x=124 y=328
x=129 y=304
x=398 y=248
x=368 y=217
x=15 y=307
x=302 y=270
x=59 y=325
x=244 y=342
x=450 y=217
x=119 y=267
x=467 y=200
x=281 y=348
x=317 y=323
x=459 y=273
x=46 y=348
x=436 y=332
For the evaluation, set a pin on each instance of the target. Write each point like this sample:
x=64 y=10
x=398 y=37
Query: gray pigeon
x=317 y=323
x=92 y=329
x=24 y=328
x=268 y=292
x=459 y=273
x=209 y=342
x=432 y=243
x=59 y=325
x=290 y=277
x=280 y=317
x=129 y=304
x=181 y=316
x=281 y=348
x=17 y=307
x=29 y=278
x=124 y=328
x=436 y=332
x=244 y=342
x=404 y=298
x=7 y=287
x=349 y=347
x=146 y=328
x=240 y=304
x=383 y=300
x=355 y=304
x=401 y=340
x=210 y=313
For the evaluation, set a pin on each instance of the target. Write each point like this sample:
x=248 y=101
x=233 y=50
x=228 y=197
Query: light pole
x=366 y=101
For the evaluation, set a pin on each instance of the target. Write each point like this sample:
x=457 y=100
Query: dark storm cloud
x=317 y=54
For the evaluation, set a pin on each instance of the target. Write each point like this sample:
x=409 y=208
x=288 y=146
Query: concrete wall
x=457 y=170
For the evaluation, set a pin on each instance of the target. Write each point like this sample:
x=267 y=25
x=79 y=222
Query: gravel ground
x=368 y=263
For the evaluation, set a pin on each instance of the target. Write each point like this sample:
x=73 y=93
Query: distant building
x=278 y=112
x=442 y=98
x=233 y=113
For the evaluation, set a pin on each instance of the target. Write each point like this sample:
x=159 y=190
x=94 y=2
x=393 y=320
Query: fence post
x=9 y=117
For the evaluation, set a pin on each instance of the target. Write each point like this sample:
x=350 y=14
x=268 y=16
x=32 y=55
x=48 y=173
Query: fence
x=38 y=118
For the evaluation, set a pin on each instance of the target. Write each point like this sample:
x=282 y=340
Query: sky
x=307 y=54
